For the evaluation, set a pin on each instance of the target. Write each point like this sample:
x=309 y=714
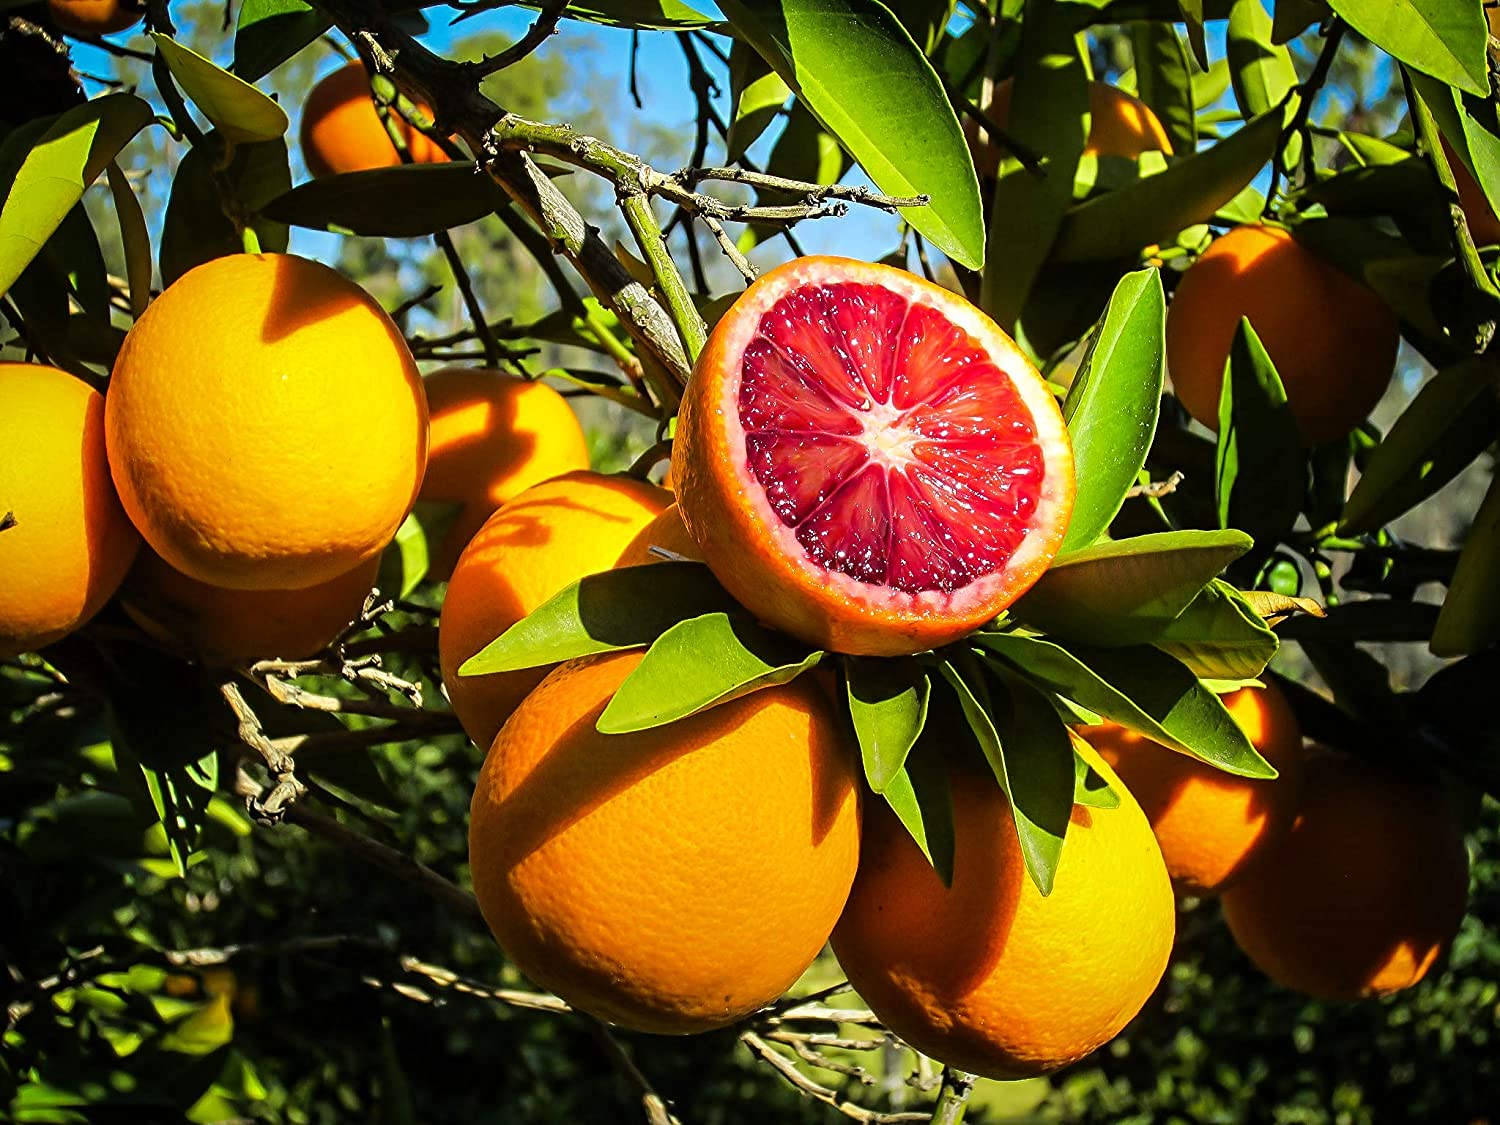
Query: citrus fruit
x=342 y=130
x=1211 y=824
x=492 y=436
x=1120 y=124
x=225 y=627
x=1363 y=894
x=675 y=879
x=69 y=544
x=866 y=461
x=95 y=17
x=266 y=424
x=667 y=532
x=537 y=545
x=1484 y=226
x=988 y=975
x=1333 y=340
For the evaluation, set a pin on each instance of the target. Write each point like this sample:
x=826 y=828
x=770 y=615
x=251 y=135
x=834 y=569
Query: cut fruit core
x=887 y=439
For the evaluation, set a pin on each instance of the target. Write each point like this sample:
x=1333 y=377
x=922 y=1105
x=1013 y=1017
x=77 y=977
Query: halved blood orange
x=867 y=461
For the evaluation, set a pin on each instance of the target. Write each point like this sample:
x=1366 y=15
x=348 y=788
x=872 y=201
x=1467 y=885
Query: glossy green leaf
x=859 y=71
x=402 y=201
x=700 y=663
x=1470 y=618
x=1090 y=789
x=643 y=15
x=1192 y=15
x=197 y=228
x=920 y=797
x=1259 y=468
x=1293 y=17
x=1262 y=72
x=1220 y=635
x=1209 y=85
x=237 y=109
x=1164 y=81
x=1138 y=687
x=180 y=796
x=406 y=561
x=134 y=238
x=1191 y=190
x=1039 y=774
x=1447 y=39
x=64 y=159
x=756 y=93
x=1126 y=591
x=1112 y=406
x=888 y=702
x=271 y=31
x=626 y=608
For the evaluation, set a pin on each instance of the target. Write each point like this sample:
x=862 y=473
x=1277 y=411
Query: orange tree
x=1021 y=587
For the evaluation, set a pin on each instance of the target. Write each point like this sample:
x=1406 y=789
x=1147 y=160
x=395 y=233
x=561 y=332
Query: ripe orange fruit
x=227 y=627
x=70 y=544
x=672 y=880
x=1120 y=124
x=1333 y=340
x=1484 y=226
x=1211 y=824
x=867 y=461
x=95 y=17
x=665 y=531
x=543 y=541
x=266 y=424
x=987 y=975
x=492 y=437
x=1363 y=894
x=342 y=130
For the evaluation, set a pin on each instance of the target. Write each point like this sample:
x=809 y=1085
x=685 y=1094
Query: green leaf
x=1220 y=635
x=408 y=559
x=626 y=608
x=1126 y=591
x=1209 y=85
x=920 y=797
x=197 y=229
x=1259 y=467
x=1138 y=687
x=854 y=65
x=180 y=796
x=402 y=201
x=1452 y=419
x=1447 y=39
x=1262 y=72
x=757 y=94
x=237 y=109
x=888 y=702
x=700 y=663
x=1040 y=777
x=1112 y=406
x=1470 y=618
x=270 y=32
x=644 y=15
x=804 y=151
x=1293 y=17
x=1192 y=15
x=1089 y=788
x=1154 y=208
x=1164 y=82
x=64 y=159
x=134 y=238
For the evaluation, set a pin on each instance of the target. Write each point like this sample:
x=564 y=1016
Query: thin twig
x=815 y=1090
x=1156 y=489
x=953 y=1096
x=542 y=29
x=286 y=790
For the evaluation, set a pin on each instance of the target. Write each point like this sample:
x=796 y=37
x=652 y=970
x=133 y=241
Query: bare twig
x=269 y=808
x=818 y=1092
x=1156 y=489
x=542 y=29
x=953 y=1096
x=652 y=1103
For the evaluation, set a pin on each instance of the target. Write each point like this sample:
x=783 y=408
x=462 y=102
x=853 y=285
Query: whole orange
x=675 y=879
x=1120 y=124
x=665 y=531
x=1211 y=824
x=988 y=975
x=1333 y=340
x=95 y=17
x=1363 y=894
x=227 y=627
x=342 y=130
x=266 y=424
x=537 y=545
x=492 y=437
x=69 y=543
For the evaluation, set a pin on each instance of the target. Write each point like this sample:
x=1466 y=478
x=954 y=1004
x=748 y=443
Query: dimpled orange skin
x=266 y=424
x=676 y=879
x=543 y=541
x=492 y=436
x=1120 y=124
x=95 y=17
x=71 y=543
x=227 y=627
x=989 y=976
x=342 y=130
x=1333 y=341
x=1211 y=824
x=665 y=531
x=1364 y=893
x=741 y=549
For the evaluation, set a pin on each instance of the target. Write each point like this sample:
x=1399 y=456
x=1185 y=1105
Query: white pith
x=888 y=435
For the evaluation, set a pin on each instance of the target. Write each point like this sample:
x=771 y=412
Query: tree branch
x=542 y=29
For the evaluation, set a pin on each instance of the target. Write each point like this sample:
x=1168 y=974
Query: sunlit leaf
x=888 y=700
x=237 y=109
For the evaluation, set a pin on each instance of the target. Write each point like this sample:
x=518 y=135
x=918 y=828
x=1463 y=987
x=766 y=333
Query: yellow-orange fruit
x=69 y=544
x=342 y=130
x=492 y=437
x=675 y=879
x=1333 y=340
x=266 y=424
x=666 y=531
x=1211 y=824
x=1363 y=894
x=987 y=975
x=225 y=627
x=543 y=541
x=1120 y=124
x=95 y=17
